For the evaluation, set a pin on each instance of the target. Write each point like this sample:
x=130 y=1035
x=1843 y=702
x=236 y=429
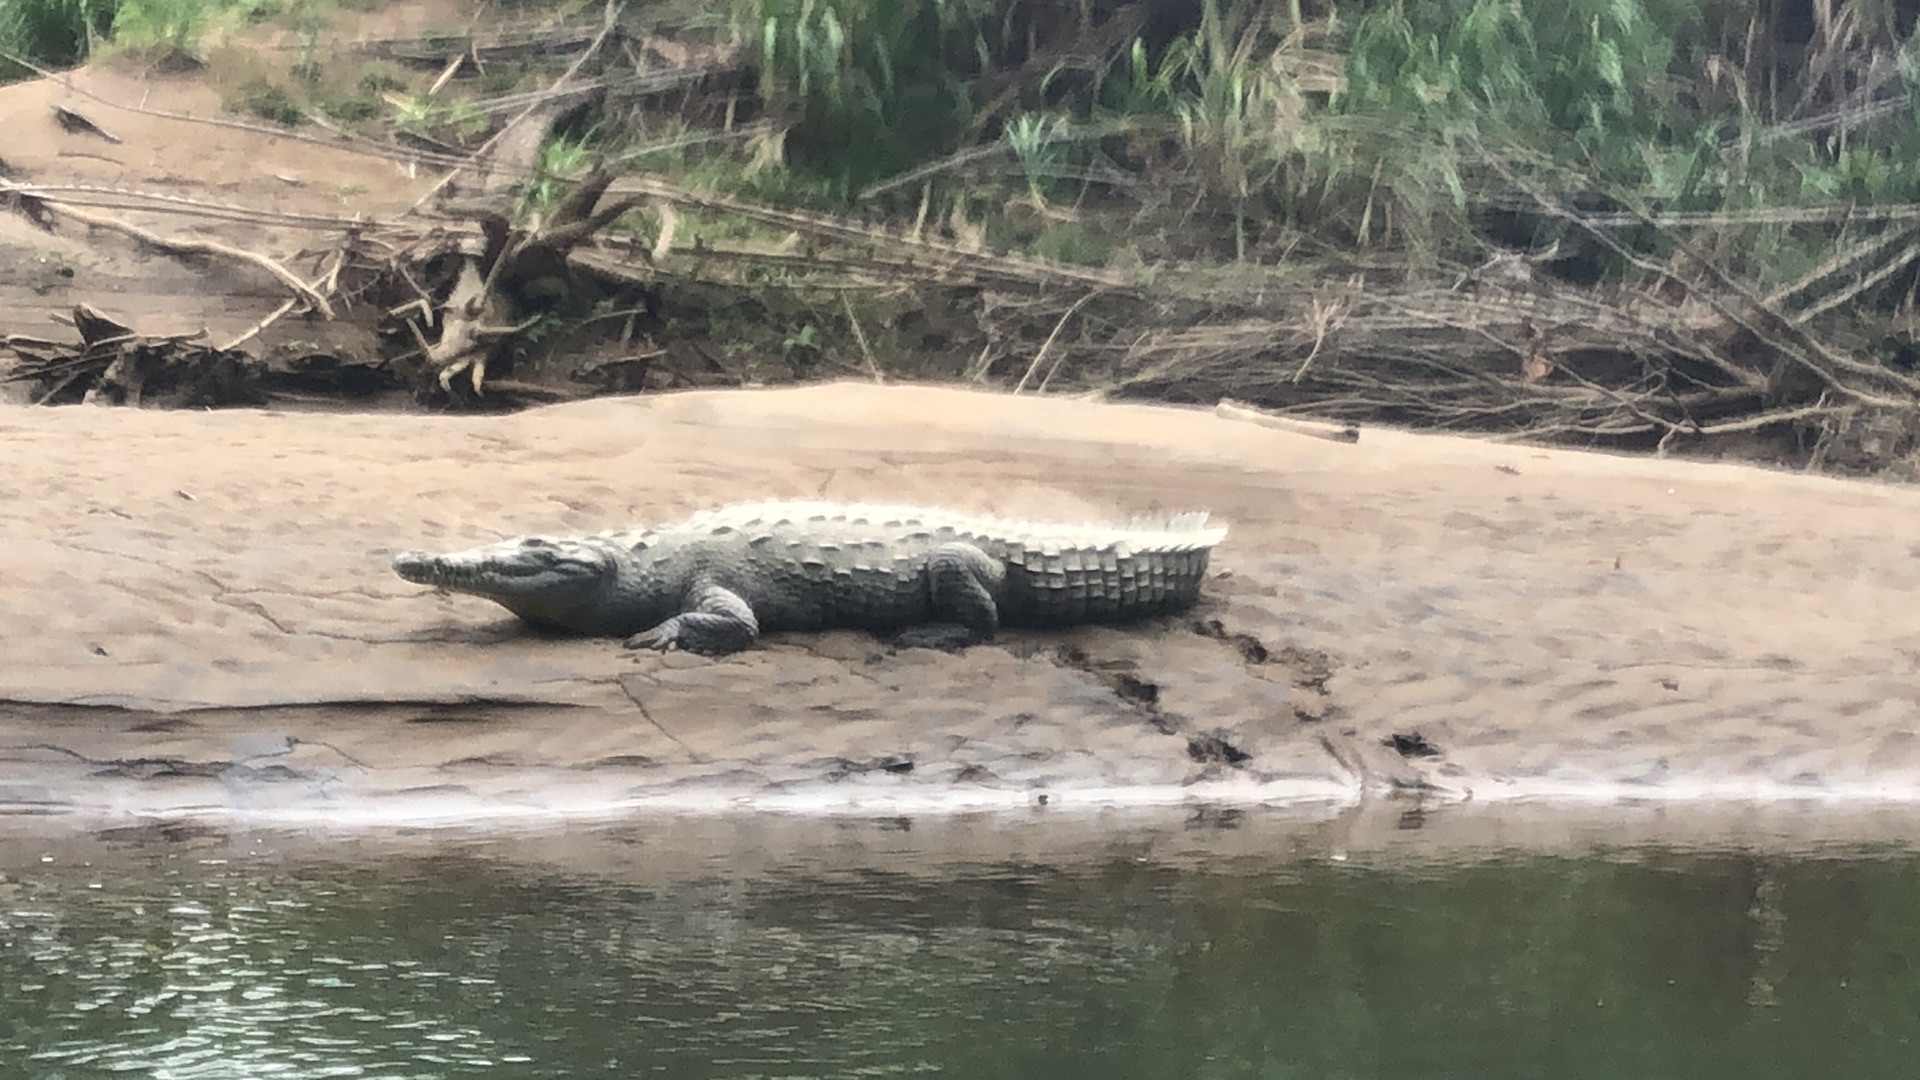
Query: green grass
x=266 y=100
x=62 y=33
x=54 y=33
x=1394 y=131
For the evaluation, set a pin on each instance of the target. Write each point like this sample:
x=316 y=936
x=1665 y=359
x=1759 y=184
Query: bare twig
x=873 y=367
x=157 y=203
x=609 y=20
x=1325 y=318
x=1048 y=344
x=254 y=330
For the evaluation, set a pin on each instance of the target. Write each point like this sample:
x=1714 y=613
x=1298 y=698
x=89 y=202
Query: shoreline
x=677 y=843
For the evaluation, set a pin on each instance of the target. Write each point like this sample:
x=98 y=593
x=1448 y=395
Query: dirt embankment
x=145 y=197
x=276 y=181
x=199 y=614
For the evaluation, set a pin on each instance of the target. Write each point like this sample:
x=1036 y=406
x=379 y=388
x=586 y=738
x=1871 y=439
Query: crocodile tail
x=1182 y=532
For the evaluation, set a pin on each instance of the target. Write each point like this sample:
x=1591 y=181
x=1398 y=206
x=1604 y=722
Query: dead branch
x=254 y=331
x=1048 y=344
x=105 y=198
x=1319 y=429
x=859 y=335
x=1793 y=340
x=609 y=20
x=922 y=258
x=176 y=246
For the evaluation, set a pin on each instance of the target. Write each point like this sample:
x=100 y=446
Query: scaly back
x=1057 y=572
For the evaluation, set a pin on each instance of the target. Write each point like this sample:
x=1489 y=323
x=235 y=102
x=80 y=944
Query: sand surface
x=197 y=617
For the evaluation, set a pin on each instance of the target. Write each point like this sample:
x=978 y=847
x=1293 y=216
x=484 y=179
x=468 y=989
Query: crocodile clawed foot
x=662 y=638
x=947 y=637
x=697 y=632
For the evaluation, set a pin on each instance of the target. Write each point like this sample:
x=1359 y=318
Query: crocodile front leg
x=961 y=583
x=716 y=622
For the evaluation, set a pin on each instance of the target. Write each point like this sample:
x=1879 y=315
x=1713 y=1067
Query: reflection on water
x=451 y=959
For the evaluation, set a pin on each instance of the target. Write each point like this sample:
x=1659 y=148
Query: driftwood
x=114 y=365
x=502 y=288
x=1318 y=429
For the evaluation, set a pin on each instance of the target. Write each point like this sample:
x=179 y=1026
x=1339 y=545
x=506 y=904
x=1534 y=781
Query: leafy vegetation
x=1718 y=189
x=881 y=84
x=53 y=32
x=1368 y=123
x=266 y=100
x=58 y=33
x=562 y=161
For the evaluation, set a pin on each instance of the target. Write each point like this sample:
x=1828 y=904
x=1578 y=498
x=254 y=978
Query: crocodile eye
x=535 y=542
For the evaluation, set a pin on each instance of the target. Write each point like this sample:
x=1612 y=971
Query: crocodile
x=712 y=583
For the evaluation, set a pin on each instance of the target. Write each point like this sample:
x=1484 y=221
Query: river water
x=1209 y=946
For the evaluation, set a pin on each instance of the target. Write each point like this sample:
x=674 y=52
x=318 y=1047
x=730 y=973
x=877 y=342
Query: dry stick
x=1886 y=270
x=452 y=66
x=952 y=161
x=873 y=272
x=157 y=203
x=1834 y=265
x=1048 y=344
x=639 y=83
x=1727 y=310
x=1054 y=368
x=1025 y=271
x=329 y=283
x=977 y=371
x=1775 y=417
x=1794 y=215
x=1618 y=397
x=1632 y=407
x=873 y=368
x=203 y=247
x=1332 y=430
x=1726 y=281
x=255 y=329
x=606 y=27
x=1322 y=319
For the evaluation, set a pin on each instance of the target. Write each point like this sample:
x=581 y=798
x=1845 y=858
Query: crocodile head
x=563 y=583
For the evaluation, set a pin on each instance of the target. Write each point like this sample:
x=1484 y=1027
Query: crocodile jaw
x=559 y=583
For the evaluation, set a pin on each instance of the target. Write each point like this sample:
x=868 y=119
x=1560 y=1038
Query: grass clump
x=562 y=160
x=880 y=85
x=381 y=78
x=62 y=33
x=267 y=100
x=166 y=29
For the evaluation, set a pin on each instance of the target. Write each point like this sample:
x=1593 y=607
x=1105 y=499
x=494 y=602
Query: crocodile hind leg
x=961 y=583
x=716 y=622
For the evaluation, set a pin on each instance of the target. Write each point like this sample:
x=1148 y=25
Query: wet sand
x=198 y=620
